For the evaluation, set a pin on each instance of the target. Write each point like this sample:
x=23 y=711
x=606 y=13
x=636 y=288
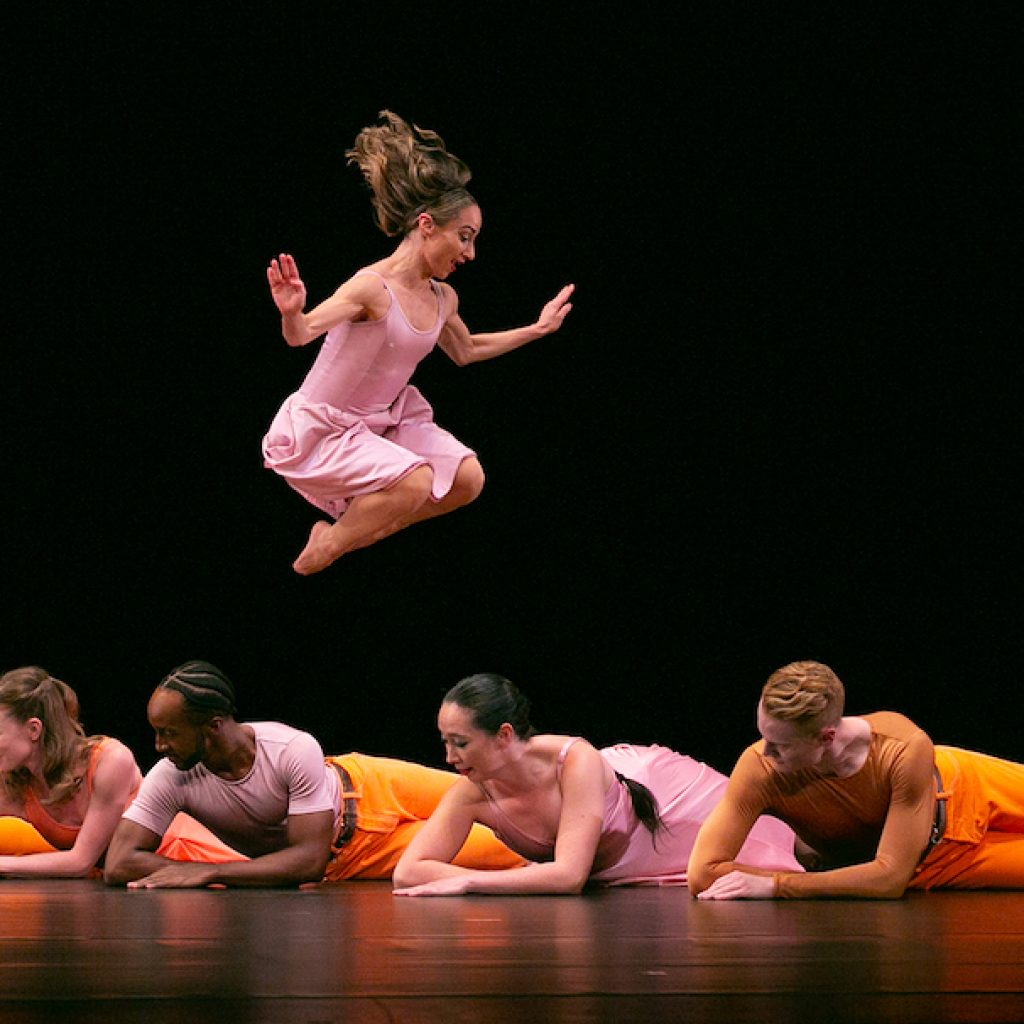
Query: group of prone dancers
x=822 y=805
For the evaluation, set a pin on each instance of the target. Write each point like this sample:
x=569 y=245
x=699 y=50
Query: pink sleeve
x=308 y=777
x=158 y=799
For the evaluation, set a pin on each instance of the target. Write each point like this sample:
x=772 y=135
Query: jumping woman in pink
x=622 y=815
x=357 y=440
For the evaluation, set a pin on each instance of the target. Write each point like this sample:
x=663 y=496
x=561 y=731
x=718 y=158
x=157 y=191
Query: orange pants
x=983 y=845
x=18 y=837
x=393 y=800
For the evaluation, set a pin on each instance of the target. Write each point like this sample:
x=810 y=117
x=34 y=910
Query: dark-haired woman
x=62 y=793
x=623 y=815
x=357 y=440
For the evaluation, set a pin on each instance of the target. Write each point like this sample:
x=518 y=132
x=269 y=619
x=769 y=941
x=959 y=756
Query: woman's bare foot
x=318 y=553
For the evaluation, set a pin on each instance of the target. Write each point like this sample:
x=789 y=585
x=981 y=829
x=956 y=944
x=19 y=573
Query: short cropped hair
x=806 y=694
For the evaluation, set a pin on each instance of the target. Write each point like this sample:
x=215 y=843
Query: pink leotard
x=356 y=426
x=362 y=367
x=685 y=790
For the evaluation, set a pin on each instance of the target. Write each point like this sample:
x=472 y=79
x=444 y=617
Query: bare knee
x=414 y=488
x=467 y=485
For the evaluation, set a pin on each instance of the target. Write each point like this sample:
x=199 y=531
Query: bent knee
x=468 y=483
x=414 y=488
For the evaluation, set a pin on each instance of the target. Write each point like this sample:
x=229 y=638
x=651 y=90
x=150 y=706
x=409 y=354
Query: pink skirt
x=330 y=456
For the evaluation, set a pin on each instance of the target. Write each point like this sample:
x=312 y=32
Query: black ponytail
x=644 y=805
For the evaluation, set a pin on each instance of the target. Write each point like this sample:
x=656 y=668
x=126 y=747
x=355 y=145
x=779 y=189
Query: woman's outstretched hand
x=554 y=313
x=456 y=885
x=286 y=287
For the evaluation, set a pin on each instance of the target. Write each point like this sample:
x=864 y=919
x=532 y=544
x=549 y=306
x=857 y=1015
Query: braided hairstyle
x=409 y=171
x=207 y=691
x=31 y=692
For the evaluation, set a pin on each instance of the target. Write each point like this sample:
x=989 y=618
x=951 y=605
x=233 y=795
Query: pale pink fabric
x=288 y=777
x=356 y=425
x=685 y=790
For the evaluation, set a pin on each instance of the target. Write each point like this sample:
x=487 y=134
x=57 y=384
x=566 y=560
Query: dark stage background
x=781 y=422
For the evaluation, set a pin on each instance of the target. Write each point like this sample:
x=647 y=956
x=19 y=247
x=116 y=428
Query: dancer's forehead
x=454 y=720
x=166 y=708
x=781 y=732
x=468 y=218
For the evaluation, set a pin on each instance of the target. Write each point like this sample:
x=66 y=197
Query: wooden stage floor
x=351 y=952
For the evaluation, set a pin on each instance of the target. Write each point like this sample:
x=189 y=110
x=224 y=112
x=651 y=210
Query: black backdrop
x=781 y=421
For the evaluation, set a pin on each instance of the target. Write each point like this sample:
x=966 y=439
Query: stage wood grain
x=76 y=951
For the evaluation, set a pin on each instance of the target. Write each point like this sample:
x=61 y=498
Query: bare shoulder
x=581 y=750
x=114 y=751
x=365 y=288
x=116 y=763
x=449 y=297
x=578 y=756
x=552 y=744
x=464 y=794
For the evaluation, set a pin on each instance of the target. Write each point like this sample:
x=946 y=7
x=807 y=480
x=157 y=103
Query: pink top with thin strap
x=362 y=366
x=685 y=790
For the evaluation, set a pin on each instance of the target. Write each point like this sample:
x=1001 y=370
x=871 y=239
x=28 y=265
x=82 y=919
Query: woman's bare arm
x=463 y=347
